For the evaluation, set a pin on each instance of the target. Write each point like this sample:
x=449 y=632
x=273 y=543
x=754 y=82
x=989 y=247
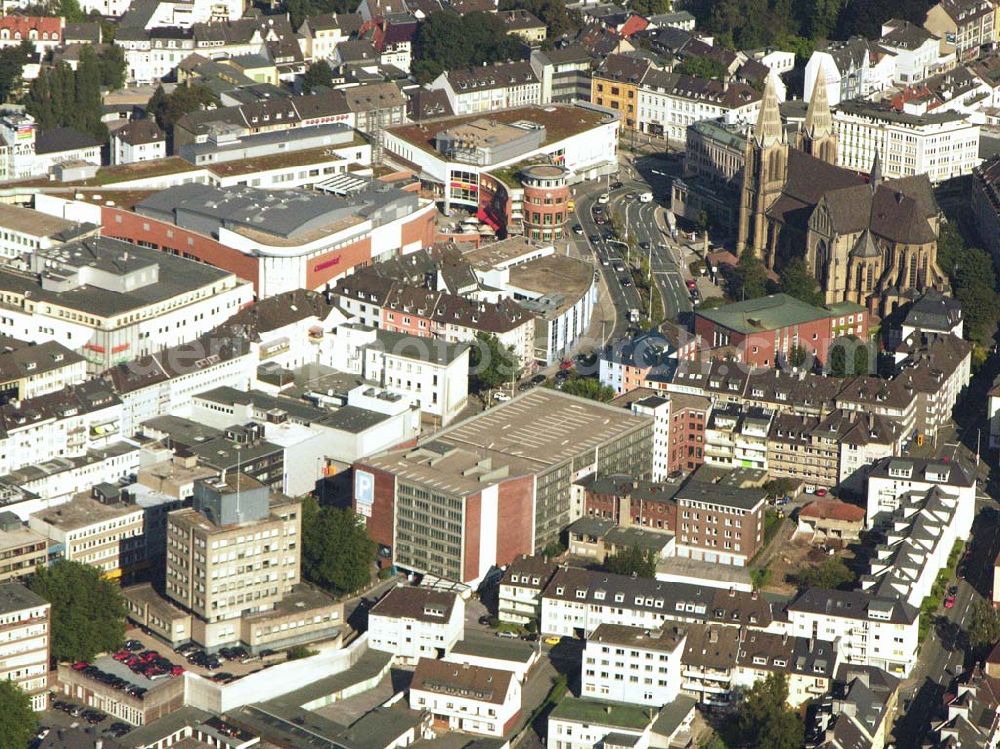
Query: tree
x=830 y=573
x=337 y=553
x=984 y=626
x=861 y=360
x=632 y=560
x=702 y=67
x=71 y=11
x=760 y=578
x=12 y=62
x=750 y=277
x=299 y=10
x=765 y=721
x=588 y=387
x=778 y=487
x=112 y=64
x=169 y=108
x=649 y=7
x=88 y=611
x=797 y=281
x=449 y=41
x=491 y=363
x=17 y=719
x=797 y=355
x=318 y=74
x=63 y=97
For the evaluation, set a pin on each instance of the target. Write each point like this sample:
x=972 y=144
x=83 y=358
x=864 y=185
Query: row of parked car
x=148 y=663
x=110 y=679
x=89 y=714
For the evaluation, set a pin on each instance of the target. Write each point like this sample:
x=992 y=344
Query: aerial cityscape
x=500 y=374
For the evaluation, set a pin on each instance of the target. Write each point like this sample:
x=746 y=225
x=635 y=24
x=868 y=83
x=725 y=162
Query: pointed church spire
x=769 y=130
x=875 y=176
x=819 y=120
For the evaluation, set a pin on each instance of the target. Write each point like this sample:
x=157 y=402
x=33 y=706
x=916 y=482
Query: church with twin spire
x=866 y=239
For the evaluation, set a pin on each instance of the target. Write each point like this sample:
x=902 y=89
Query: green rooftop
x=766 y=313
x=617 y=714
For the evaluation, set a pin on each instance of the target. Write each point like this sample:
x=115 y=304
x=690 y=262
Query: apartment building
x=963 y=25
x=139 y=140
x=432 y=374
x=492 y=487
x=22 y=550
x=850 y=69
x=644 y=361
x=113 y=301
x=941 y=145
x=565 y=73
x=738 y=437
x=686 y=442
x=520 y=597
x=669 y=103
x=872 y=631
x=502 y=85
x=414 y=623
x=106 y=535
x=25 y=645
x=615 y=85
x=578 y=601
x=862 y=711
x=719 y=523
x=583 y=723
x=633 y=665
x=235 y=552
x=808 y=665
x=25 y=230
x=919 y=538
x=916 y=52
x=475 y=700
x=709 y=663
x=659 y=409
x=892 y=480
x=28 y=370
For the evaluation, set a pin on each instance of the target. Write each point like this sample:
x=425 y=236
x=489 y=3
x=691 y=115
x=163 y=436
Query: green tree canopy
x=491 y=364
x=12 y=62
x=588 y=387
x=702 y=67
x=632 y=560
x=984 y=626
x=649 y=7
x=17 y=719
x=337 y=554
x=169 y=108
x=318 y=74
x=112 y=63
x=797 y=281
x=765 y=721
x=749 y=280
x=830 y=573
x=449 y=41
x=88 y=611
x=299 y=10
x=62 y=97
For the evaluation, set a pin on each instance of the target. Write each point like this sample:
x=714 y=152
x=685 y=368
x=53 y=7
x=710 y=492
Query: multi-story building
x=719 y=523
x=668 y=103
x=641 y=362
x=22 y=550
x=872 y=631
x=714 y=156
x=628 y=664
x=915 y=50
x=470 y=699
x=25 y=230
x=235 y=552
x=964 y=25
x=767 y=331
x=455 y=156
x=892 y=480
x=139 y=140
x=25 y=644
x=808 y=665
x=520 y=597
x=941 y=145
x=849 y=68
x=659 y=408
x=491 y=487
x=108 y=536
x=580 y=723
x=488 y=88
x=416 y=623
x=986 y=203
x=564 y=73
x=113 y=301
x=709 y=663
x=524 y=24
x=919 y=538
x=615 y=85
x=319 y=35
x=688 y=417
x=28 y=370
x=431 y=374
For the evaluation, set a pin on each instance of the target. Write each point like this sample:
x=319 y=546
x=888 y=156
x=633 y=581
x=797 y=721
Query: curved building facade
x=546 y=201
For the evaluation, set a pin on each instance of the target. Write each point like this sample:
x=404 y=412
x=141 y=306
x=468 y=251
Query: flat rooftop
x=559 y=120
x=82 y=511
x=666 y=639
x=35 y=223
x=597 y=712
x=498 y=253
x=15 y=596
x=554 y=275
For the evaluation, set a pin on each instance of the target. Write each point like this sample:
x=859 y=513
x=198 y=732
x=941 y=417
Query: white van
x=646 y=197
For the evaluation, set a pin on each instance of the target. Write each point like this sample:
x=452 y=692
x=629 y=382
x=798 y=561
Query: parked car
x=508 y=635
x=821 y=492
x=691 y=283
x=577 y=229
x=949 y=602
x=133 y=645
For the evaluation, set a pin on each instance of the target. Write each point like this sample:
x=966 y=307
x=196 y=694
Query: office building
x=25 y=644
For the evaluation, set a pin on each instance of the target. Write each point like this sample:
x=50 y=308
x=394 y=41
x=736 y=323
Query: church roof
x=865 y=246
x=809 y=178
x=768 y=130
x=819 y=119
x=889 y=213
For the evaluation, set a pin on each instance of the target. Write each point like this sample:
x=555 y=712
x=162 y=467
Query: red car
x=821 y=492
x=949 y=602
x=691 y=283
x=176 y=671
x=80 y=665
x=122 y=655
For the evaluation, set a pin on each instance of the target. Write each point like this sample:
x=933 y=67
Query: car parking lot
x=226 y=669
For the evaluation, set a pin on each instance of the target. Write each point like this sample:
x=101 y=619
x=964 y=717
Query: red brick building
x=546 y=201
x=763 y=332
x=686 y=435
